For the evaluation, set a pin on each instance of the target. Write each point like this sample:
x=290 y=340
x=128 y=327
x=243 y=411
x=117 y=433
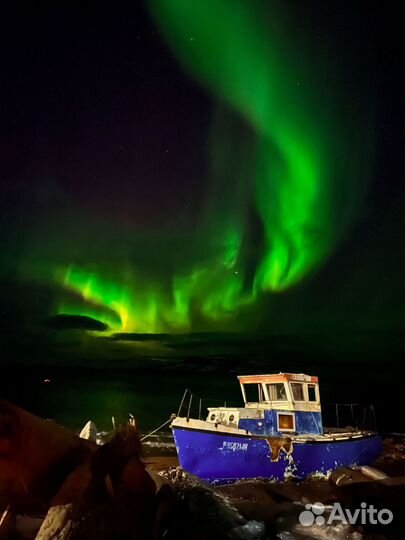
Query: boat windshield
x=253 y=392
x=276 y=392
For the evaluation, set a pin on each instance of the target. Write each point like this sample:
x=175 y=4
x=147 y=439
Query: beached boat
x=277 y=434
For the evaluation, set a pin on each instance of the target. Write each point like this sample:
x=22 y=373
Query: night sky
x=214 y=166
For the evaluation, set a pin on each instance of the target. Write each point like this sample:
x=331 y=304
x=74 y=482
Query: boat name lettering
x=234 y=446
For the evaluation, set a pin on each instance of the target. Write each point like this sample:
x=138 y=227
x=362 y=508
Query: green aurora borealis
x=285 y=146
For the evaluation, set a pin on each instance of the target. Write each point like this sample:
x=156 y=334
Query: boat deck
x=221 y=429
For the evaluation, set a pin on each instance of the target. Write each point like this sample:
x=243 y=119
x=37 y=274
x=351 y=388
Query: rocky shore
x=55 y=485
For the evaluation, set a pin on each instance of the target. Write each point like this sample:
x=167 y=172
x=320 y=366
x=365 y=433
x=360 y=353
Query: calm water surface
x=73 y=398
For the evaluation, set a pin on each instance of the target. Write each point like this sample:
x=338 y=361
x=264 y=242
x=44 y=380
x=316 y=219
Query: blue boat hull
x=221 y=458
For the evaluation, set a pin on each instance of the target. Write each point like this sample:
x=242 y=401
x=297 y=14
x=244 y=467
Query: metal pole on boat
x=199 y=410
x=372 y=414
x=337 y=414
x=189 y=406
x=182 y=401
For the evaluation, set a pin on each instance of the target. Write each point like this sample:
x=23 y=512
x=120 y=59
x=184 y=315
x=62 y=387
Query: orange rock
x=35 y=457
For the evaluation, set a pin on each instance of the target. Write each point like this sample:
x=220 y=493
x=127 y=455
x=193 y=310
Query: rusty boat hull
x=220 y=457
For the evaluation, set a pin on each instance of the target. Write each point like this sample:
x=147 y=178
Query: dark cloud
x=74 y=322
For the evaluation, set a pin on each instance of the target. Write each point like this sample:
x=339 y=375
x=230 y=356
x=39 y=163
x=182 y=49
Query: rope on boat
x=172 y=416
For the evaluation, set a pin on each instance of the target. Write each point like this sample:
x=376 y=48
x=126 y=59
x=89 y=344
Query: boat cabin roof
x=277 y=377
x=281 y=391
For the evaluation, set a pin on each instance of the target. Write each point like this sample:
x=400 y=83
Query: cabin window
x=285 y=422
x=312 y=392
x=297 y=391
x=253 y=392
x=276 y=392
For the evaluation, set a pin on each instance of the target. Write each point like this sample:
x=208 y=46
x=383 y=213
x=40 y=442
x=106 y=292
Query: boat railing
x=349 y=416
x=336 y=416
x=193 y=406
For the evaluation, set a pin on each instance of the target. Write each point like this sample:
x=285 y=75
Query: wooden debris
x=371 y=472
x=4 y=515
x=58 y=524
x=7 y=523
x=347 y=476
x=89 y=431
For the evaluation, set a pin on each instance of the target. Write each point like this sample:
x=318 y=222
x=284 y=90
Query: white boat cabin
x=274 y=405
